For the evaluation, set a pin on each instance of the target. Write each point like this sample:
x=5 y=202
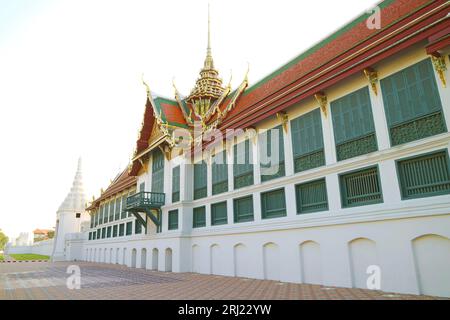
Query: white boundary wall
x=42 y=247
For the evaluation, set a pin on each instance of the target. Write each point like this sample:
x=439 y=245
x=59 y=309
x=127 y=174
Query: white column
x=208 y=214
x=257 y=206
x=288 y=153
x=208 y=177
x=328 y=137
x=165 y=220
x=230 y=169
x=333 y=193
x=256 y=167
x=291 y=203
x=230 y=211
x=147 y=178
x=389 y=182
x=185 y=219
x=186 y=181
x=379 y=118
x=168 y=180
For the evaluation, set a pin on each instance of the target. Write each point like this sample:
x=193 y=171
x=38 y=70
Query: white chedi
x=70 y=215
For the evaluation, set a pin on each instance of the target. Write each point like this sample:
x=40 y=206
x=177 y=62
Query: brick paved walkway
x=45 y=280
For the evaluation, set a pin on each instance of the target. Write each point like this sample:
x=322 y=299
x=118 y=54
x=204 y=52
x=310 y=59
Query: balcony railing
x=142 y=200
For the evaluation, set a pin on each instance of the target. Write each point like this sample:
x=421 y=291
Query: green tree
x=3 y=240
x=51 y=234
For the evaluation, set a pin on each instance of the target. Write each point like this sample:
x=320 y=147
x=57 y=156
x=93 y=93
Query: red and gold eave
x=350 y=50
x=121 y=183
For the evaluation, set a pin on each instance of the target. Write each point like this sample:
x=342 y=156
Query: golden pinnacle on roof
x=208 y=87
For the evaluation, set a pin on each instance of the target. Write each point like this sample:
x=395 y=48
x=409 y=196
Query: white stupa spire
x=76 y=199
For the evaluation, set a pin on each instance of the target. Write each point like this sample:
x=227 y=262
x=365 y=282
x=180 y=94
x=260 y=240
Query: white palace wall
x=409 y=240
x=44 y=247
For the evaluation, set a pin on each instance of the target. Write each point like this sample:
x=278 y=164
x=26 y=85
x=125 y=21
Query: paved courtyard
x=45 y=280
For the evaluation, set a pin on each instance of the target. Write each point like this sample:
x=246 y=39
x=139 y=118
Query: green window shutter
x=307 y=141
x=200 y=180
x=219 y=213
x=123 y=214
x=268 y=146
x=121 y=229
x=173 y=220
x=103 y=232
x=219 y=173
x=111 y=210
x=424 y=176
x=412 y=103
x=311 y=196
x=114 y=231
x=129 y=228
x=117 y=212
x=243 y=209
x=353 y=126
x=99 y=233
x=142 y=187
x=137 y=227
x=242 y=165
x=94 y=235
x=104 y=213
x=108 y=233
x=90 y=235
x=158 y=171
x=129 y=213
x=273 y=204
x=100 y=216
x=361 y=187
x=199 y=217
x=176 y=184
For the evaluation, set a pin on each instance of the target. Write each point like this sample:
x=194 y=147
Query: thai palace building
x=331 y=170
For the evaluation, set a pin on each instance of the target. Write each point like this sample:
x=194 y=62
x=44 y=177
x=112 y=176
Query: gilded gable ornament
x=440 y=67
x=372 y=77
x=284 y=119
x=322 y=100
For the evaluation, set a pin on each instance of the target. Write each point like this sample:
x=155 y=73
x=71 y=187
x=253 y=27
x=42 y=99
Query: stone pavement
x=46 y=280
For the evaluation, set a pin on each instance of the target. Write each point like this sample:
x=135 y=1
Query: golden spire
x=209 y=63
x=208 y=87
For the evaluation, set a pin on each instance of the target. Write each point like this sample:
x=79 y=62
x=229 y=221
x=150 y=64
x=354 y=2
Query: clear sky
x=70 y=79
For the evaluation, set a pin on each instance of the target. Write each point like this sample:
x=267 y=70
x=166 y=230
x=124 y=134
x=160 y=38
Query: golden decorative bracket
x=372 y=77
x=284 y=119
x=166 y=150
x=440 y=67
x=144 y=165
x=322 y=100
